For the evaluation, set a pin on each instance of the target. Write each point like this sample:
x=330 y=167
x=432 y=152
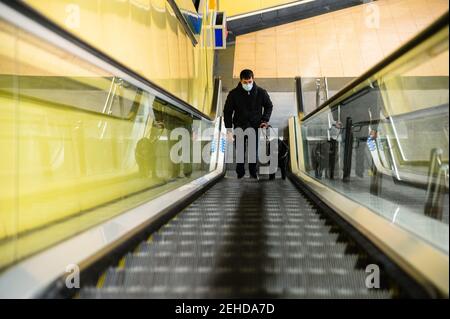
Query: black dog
x=282 y=154
x=283 y=158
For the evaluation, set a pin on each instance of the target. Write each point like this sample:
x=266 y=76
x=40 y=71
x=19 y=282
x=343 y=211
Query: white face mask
x=248 y=87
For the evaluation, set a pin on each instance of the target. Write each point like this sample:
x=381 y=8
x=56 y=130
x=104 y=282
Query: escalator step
x=241 y=239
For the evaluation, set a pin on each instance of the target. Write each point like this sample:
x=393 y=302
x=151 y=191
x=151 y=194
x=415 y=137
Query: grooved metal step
x=242 y=238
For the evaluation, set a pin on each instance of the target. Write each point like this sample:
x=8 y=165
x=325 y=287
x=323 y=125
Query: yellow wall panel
x=341 y=43
x=143 y=35
x=265 y=57
x=234 y=7
x=286 y=53
x=244 y=54
x=62 y=156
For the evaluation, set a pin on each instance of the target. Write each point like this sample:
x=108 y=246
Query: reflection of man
x=365 y=114
x=146 y=154
x=247 y=107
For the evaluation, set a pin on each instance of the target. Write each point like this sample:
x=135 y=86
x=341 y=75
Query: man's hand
x=264 y=125
x=230 y=136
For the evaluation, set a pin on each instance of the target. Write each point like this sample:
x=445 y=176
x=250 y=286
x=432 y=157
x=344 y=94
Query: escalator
x=273 y=239
x=241 y=239
x=101 y=195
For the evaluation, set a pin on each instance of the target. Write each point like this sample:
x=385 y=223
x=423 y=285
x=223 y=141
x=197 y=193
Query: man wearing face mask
x=248 y=106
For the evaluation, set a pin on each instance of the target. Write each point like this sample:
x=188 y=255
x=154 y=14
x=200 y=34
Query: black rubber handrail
x=183 y=21
x=435 y=27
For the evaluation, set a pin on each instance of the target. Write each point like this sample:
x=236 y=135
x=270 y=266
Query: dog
x=282 y=155
x=283 y=158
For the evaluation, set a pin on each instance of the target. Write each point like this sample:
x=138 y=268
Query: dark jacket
x=247 y=109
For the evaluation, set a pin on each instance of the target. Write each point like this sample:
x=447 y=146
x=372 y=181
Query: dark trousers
x=361 y=157
x=252 y=167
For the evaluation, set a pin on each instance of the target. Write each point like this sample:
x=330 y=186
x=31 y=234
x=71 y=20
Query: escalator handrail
x=183 y=22
x=22 y=8
x=435 y=27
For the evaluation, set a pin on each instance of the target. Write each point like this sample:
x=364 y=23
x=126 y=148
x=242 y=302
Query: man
x=247 y=107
